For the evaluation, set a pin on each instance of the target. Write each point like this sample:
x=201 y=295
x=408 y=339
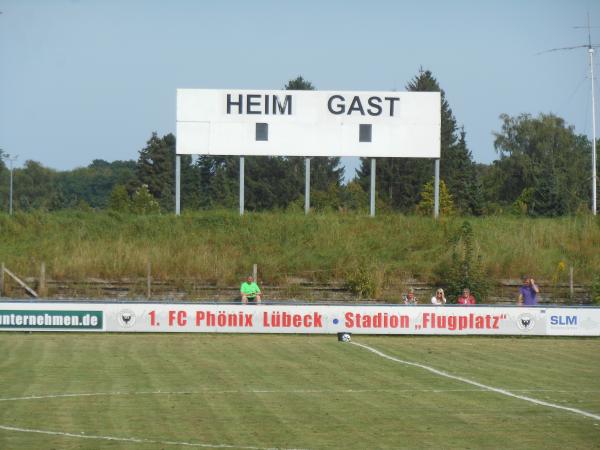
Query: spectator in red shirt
x=466 y=298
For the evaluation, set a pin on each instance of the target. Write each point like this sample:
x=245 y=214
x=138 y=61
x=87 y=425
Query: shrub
x=143 y=202
x=596 y=290
x=119 y=199
x=362 y=283
x=465 y=269
x=426 y=205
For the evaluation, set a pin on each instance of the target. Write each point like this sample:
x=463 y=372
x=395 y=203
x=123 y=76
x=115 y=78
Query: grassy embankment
x=220 y=247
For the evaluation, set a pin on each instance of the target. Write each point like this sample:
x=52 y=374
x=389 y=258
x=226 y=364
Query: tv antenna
x=590 y=48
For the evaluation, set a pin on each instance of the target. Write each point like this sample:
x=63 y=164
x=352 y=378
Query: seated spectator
x=410 y=299
x=439 y=298
x=250 y=291
x=466 y=298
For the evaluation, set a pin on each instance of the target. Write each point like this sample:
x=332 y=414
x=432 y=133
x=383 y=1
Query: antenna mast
x=591 y=52
x=590 y=48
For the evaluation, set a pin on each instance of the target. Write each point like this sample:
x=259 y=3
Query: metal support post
x=10 y=208
x=372 y=187
x=241 y=185
x=306 y=185
x=436 y=190
x=594 y=181
x=177 y=185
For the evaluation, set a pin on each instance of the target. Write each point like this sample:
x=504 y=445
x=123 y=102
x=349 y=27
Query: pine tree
x=400 y=179
x=155 y=169
x=459 y=173
x=299 y=84
x=546 y=195
x=477 y=204
x=218 y=182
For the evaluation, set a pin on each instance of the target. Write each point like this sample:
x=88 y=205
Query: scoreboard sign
x=308 y=123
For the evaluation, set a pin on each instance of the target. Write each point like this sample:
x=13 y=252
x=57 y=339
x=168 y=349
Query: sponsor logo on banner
x=564 y=320
x=126 y=318
x=526 y=322
x=50 y=319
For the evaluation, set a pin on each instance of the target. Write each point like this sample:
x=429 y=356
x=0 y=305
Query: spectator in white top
x=439 y=298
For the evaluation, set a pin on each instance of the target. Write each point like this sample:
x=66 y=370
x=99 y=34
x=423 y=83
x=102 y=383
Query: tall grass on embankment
x=220 y=246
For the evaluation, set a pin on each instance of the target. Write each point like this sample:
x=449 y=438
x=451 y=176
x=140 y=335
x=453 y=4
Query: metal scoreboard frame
x=308 y=123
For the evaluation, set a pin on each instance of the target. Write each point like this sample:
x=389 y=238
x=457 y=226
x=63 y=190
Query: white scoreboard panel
x=308 y=123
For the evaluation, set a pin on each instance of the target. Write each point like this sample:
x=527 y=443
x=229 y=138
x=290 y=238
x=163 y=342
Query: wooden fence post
x=571 y=290
x=2 y=280
x=42 y=287
x=149 y=281
x=21 y=283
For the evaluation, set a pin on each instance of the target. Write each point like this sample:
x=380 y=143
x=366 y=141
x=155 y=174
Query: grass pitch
x=126 y=391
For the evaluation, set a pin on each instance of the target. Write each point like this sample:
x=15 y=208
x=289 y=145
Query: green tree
x=270 y=183
x=461 y=177
x=3 y=155
x=4 y=182
x=427 y=203
x=354 y=197
x=156 y=168
x=218 y=180
x=299 y=84
x=547 y=199
x=400 y=179
x=143 y=202
x=35 y=187
x=93 y=184
x=465 y=269
x=542 y=166
x=119 y=199
x=329 y=199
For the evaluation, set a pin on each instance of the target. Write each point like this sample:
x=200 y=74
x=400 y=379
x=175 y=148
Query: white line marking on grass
x=136 y=440
x=480 y=385
x=252 y=391
x=268 y=391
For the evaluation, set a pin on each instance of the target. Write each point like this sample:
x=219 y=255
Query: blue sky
x=83 y=80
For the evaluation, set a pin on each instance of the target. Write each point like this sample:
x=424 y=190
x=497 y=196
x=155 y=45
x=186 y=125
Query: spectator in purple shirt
x=528 y=292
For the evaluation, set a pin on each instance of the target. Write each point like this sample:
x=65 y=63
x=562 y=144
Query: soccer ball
x=345 y=337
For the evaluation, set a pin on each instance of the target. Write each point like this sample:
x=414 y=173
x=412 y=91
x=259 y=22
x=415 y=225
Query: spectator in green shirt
x=250 y=291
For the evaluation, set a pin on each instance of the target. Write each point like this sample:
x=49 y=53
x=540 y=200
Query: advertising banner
x=298 y=318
